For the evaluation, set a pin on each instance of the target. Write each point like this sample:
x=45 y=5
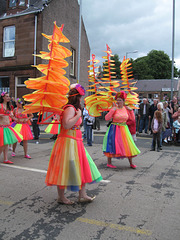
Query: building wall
x=67 y=12
x=63 y=12
x=24 y=41
x=21 y=63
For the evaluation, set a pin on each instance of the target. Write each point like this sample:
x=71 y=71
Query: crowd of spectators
x=170 y=111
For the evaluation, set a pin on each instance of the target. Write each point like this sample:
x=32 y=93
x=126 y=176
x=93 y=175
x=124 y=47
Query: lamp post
x=135 y=51
x=79 y=42
x=172 y=70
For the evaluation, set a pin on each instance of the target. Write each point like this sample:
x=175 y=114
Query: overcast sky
x=129 y=25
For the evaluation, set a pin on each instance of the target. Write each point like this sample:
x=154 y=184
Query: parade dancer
x=70 y=166
x=21 y=125
x=118 y=141
x=54 y=127
x=8 y=135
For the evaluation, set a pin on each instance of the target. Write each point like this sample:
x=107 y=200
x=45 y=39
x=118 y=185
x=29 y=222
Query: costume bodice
x=20 y=115
x=4 y=111
x=79 y=121
x=120 y=115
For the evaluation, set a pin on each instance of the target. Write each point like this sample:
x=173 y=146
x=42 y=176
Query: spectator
x=170 y=114
x=90 y=121
x=85 y=116
x=167 y=132
x=164 y=122
x=176 y=114
x=176 y=125
x=97 y=123
x=152 y=110
x=174 y=104
x=156 y=127
x=12 y=103
x=168 y=110
x=143 y=115
x=131 y=122
x=35 y=126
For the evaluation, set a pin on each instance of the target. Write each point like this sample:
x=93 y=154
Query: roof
x=156 y=85
x=35 y=6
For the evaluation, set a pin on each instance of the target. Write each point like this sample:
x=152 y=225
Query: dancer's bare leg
x=14 y=147
x=1 y=149
x=62 y=198
x=109 y=164
x=5 y=151
x=131 y=163
x=83 y=197
x=109 y=160
x=25 y=146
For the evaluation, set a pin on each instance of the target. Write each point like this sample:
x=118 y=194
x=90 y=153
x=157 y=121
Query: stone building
x=157 y=88
x=22 y=22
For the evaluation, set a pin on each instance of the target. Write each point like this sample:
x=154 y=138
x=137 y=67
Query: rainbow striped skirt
x=118 y=142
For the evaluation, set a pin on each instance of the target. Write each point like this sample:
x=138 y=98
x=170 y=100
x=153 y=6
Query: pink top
x=4 y=111
x=119 y=115
x=20 y=115
x=79 y=121
x=156 y=124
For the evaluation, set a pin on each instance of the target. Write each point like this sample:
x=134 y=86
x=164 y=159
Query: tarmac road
x=130 y=204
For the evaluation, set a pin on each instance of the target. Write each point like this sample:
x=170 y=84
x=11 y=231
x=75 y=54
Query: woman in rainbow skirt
x=8 y=135
x=54 y=127
x=21 y=124
x=118 y=141
x=70 y=166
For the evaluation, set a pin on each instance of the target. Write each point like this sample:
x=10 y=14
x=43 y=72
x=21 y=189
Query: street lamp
x=135 y=51
x=79 y=42
x=173 y=31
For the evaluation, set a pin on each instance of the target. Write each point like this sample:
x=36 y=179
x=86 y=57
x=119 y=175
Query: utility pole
x=172 y=70
x=79 y=47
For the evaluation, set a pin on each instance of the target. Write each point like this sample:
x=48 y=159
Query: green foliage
x=117 y=65
x=156 y=65
x=178 y=73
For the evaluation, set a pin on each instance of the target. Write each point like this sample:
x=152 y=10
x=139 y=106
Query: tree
x=156 y=65
x=178 y=73
x=160 y=64
x=117 y=65
x=141 y=69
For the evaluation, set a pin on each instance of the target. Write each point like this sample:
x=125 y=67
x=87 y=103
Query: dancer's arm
x=70 y=117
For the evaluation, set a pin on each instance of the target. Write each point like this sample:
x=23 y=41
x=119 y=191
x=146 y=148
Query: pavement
x=130 y=204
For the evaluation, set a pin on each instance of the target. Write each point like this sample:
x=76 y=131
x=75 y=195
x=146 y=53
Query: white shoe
x=37 y=142
x=165 y=140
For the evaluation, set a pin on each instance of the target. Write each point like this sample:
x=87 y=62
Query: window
x=155 y=95
x=72 y=62
x=12 y=3
x=20 y=81
x=22 y=2
x=15 y=3
x=4 y=84
x=9 y=41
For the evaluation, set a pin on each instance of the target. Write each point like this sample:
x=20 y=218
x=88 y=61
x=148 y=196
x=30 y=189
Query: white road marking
x=24 y=168
x=105 y=181
x=36 y=170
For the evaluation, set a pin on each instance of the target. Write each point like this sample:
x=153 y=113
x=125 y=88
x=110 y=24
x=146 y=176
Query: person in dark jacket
x=152 y=110
x=143 y=114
